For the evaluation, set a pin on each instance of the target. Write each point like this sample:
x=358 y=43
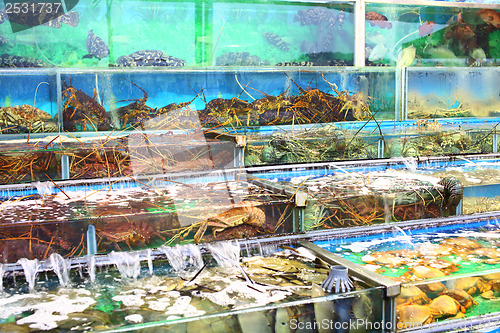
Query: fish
x=490 y=16
x=406 y=56
x=376 y=19
x=71 y=18
x=276 y=40
x=379 y=52
x=96 y=47
x=426 y=29
x=314 y=16
x=149 y=58
x=460 y=32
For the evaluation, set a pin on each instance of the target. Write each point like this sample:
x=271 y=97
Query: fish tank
x=32 y=109
x=75 y=156
x=447 y=267
x=462 y=93
x=222 y=33
x=73 y=218
x=225 y=286
x=339 y=196
x=309 y=144
x=223 y=99
x=449 y=137
x=443 y=34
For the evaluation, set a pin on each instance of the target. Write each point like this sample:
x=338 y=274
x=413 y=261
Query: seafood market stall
x=224 y=287
x=233 y=166
x=448 y=268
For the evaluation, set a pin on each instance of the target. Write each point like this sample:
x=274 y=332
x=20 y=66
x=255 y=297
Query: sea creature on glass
x=316 y=16
x=71 y=18
x=239 y=59
x=149 y=58
x=276 y=41
x=426 y=28
x=490 y=16
x=96 y=47
x=376 y=19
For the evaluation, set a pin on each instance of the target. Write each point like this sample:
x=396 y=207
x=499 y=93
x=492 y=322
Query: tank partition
x=224 y=286
x=426 y=34
x=448 y=267
x=137 y=213
x=340 y=195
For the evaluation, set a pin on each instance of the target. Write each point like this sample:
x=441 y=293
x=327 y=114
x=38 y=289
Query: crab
x=462 y=243
x=413 y=315
x=245 y=213
x=434 y=250
x=426 y=272
x=472 y=285
x=461 y=297
x=446 y=306
x=412 y=295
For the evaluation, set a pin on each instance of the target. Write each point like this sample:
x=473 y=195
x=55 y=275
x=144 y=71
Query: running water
x=128 y=263
x=406 y=238
x=61 y=267
x=184 y=259
x=30 y=268
x=469 y=161
x=150 y=261
x=2 y=271
x=410 y=163
x=91 y=267
x=223 y=250
x=44 y=188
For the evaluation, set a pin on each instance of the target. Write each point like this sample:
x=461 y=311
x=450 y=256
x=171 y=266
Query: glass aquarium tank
x=462 y=93
x=448 y=268
x=137 y=212
x=193 y=33
x=224 y=287
x=32 y=108
x=432 y=35
x=223 y=99
x=423 y=138
x=341 y=196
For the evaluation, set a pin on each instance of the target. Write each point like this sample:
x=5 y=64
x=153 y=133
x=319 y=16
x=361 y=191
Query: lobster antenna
x=39 y=50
